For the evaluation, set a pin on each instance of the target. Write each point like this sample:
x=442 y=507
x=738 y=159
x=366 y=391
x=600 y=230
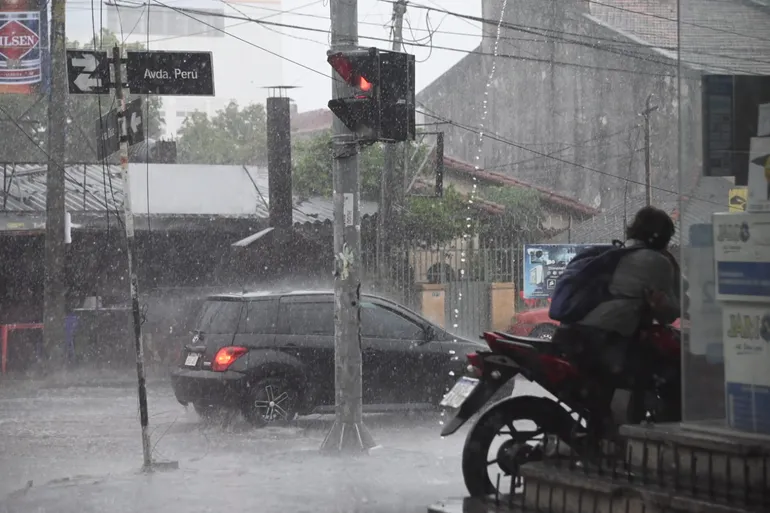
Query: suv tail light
x=476 y=363
x=226 y=356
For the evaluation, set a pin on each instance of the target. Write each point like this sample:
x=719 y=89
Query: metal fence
x=465 y=272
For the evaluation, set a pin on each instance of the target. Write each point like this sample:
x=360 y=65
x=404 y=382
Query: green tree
x=435 y=220
x=232 y=136
x=523 y=214
x=312 y=168
x=23 y=118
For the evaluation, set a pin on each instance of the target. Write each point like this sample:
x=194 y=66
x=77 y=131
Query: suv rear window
x=220 y=317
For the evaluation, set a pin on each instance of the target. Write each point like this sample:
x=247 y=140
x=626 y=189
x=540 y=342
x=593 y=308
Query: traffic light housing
x=382 y=105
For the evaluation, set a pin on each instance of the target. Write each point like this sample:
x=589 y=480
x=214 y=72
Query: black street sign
x=88 y=72
x=135 y=122
x=170 y=73
x=108 y=134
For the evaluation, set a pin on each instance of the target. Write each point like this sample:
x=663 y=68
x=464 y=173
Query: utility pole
x=54 y=300
x=440 y=164
x=388 y=183
x=348 y=434
x=647 y=166
x=131 y=253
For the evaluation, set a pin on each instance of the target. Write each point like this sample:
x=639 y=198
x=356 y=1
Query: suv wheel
x=271 y=401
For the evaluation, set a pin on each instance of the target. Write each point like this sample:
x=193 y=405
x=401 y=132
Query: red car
x=536 y=323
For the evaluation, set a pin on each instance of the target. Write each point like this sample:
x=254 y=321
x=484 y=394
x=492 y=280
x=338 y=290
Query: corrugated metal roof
x=160 y=190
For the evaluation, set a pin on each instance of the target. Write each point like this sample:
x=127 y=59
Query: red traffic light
x=343 y=65
x=364 y=84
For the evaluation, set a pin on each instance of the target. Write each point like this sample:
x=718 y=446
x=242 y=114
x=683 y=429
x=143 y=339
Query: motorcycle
x=564 y=418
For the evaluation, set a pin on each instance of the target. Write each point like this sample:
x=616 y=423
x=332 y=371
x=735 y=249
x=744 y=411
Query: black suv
x=271 y=355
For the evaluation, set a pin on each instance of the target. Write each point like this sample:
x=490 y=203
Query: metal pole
x=647 y=165
x=54 y=300
x=388 y=184
x=131 y=253
x=348 y=432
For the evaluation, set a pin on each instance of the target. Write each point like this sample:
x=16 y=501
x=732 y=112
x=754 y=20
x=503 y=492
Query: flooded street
x=80 y=449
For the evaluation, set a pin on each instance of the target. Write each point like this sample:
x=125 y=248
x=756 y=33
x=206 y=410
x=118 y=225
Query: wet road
x=81 y=450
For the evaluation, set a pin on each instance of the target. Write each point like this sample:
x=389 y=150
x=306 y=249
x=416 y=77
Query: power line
x=498 y=138
x=486 y=134
x=189 y=13
x=608 y=48
x=683 y=22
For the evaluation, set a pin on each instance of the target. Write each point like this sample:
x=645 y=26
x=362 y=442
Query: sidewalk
x=85 y=377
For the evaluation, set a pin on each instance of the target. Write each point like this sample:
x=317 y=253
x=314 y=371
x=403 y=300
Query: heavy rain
x=384 y=256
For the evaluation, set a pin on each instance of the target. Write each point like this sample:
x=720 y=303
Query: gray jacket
x=637 y=272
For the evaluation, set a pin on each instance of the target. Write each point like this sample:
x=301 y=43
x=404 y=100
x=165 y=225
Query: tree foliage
x=23 y=118
x=523 y=211
x=232 y=136
x=312 y=167
x=436 y=220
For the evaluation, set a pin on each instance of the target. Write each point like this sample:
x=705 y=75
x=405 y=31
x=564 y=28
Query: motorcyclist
x=645 y=287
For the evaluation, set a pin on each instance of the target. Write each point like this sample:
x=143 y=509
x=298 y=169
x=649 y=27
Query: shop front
x=724 y=121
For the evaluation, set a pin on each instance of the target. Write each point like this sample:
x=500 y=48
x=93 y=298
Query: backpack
x=585 y=283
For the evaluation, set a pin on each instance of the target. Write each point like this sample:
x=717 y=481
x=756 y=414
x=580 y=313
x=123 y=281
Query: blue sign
x=748 y=407
x=544 y=264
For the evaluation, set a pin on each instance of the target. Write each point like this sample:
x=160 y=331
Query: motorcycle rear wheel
x=549 y=422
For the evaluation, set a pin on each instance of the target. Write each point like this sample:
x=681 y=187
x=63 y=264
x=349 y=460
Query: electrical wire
x=551 y=62
x=500 y=139
x=429 y=113
x=752 y=37
x=559 y=35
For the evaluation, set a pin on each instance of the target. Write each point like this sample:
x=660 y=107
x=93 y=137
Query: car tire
x=543 y=331
x=271 y=401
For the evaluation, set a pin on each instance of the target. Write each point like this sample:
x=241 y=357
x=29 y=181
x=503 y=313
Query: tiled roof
x=500 y=179
x=174 y=190
x=717 y=36
x=311 y=121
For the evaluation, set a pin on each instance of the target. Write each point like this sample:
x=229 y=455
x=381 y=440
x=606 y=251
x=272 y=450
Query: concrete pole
x=54 y=297
x=348 y=434
x=131 y=253
x=388 y=184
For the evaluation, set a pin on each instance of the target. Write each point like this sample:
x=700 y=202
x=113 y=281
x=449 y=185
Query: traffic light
x=382 y=105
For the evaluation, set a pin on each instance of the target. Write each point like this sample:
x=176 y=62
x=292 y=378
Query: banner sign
x=543 y=264
x=742 y=254
x=23 y=46
x=746 y=339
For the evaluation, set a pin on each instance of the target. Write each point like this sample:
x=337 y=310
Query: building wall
x=587 y=114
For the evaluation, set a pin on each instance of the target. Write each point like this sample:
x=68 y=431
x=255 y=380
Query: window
x=258 y=317
x=220 y=317
x=379 y=322
x=312 y=318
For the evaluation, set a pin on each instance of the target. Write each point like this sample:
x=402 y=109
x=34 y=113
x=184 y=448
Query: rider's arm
x=662 y=278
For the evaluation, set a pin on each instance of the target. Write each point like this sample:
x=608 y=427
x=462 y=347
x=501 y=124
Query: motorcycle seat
x=539 y=344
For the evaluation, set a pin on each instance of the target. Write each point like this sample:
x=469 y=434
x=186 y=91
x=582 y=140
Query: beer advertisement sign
x=21 y=44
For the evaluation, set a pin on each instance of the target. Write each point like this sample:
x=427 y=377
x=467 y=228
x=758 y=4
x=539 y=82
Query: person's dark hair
x=653 y=227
